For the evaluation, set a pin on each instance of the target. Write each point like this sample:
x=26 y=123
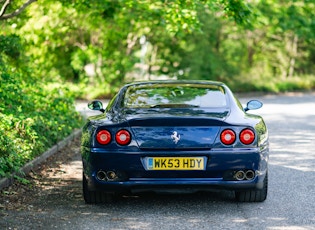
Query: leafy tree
x=33 y=114
x=280 y=43
x=15 y=10
x=103 y=36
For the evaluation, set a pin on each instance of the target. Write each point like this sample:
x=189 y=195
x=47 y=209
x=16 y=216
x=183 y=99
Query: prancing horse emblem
x=175 y=136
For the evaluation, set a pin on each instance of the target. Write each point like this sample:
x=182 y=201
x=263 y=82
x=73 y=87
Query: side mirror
x=96 y=105
x=253 y=104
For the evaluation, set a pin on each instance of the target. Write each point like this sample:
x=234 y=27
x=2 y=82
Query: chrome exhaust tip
x=249 y=175
x=101 y=175
x=239 y=175
x=111 y=175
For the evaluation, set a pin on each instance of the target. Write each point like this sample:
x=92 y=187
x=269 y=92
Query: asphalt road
x=290 y=203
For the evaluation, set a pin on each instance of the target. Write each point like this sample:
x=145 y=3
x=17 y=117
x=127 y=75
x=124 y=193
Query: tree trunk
x=293 y=55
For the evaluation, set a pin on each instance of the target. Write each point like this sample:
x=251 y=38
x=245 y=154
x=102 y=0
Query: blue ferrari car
x=165 y=136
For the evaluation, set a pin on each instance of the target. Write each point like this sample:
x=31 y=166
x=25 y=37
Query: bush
x=33 y=117
x=273 y=84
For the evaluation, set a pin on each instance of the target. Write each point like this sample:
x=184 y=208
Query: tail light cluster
x=122 y=137
x=246 y=136
x=103 y=137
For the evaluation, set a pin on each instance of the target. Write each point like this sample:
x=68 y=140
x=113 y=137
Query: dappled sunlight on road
x=293 y=149
x=293 y=144
x=292 y=228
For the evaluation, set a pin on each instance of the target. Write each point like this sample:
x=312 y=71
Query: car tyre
x=95 y=197
x=258 y=195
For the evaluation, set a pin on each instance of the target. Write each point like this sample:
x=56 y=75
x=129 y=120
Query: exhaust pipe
x=249 y=175
x=101 y=175
x=239 y=175
x=111 y=175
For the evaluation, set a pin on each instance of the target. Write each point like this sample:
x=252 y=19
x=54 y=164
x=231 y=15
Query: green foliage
x=100 y=46
x=22 y=180
x=33 y=115
x=272 y=54
x=10 y=45
x=239 y=11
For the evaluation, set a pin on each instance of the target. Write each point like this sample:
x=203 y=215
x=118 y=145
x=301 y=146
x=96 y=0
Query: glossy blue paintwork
x=151 y=130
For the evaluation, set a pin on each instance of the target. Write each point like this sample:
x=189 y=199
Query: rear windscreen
x=174 y=96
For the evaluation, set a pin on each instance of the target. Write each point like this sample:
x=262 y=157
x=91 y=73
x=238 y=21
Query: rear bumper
x=132 y=175
x=184 y=184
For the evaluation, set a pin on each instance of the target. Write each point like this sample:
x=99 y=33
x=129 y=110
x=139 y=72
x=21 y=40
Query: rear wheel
x=257 y=195
x=95 y=197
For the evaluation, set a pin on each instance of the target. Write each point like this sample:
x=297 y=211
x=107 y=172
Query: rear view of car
x=172 y=136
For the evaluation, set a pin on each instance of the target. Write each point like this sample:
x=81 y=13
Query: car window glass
x=174 y=95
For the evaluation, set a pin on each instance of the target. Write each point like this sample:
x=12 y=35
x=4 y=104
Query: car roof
x=205 y=82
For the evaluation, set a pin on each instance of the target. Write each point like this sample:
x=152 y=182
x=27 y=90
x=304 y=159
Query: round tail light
x=228 y=136
x=247 y=136
x=103 y=137
x=123 y=137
